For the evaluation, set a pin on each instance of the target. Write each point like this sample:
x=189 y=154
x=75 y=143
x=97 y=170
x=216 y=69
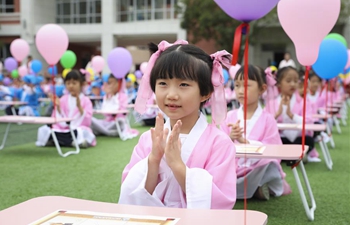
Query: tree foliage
x=205 y=20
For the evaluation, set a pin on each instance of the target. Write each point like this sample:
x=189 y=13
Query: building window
x=78 y=11
x=7 y=6
x=137 y=10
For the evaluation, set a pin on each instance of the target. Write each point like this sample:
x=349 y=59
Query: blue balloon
x=1 y=77
x=59 y=90
x=332 y=59
x=347 y=71
x=226 y=76
x=54 y=71
x=36 y=66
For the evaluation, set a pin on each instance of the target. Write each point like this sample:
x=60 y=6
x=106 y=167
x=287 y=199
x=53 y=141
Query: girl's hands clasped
x=159 y=136
x=173 y=147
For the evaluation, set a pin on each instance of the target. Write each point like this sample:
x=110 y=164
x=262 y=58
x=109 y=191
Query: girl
x=264 y=176
x=184 y=163
x=114 y=100
x=288 y=108
x=73 y=105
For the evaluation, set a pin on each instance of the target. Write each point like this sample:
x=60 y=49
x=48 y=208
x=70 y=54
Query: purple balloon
x=119 y=62
x=7 y=81
x=247 y=10
x=10 y=64
x=138 y=74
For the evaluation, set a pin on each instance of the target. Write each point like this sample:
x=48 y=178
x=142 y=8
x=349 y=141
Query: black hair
x=282 y=72
x=74 y=75
x=311 y=75
x=254 y=73
x=186 y=62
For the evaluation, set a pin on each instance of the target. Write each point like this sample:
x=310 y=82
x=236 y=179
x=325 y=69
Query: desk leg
x=329 y=132
x=309 y=211
x=5 y=136
x=121 y=134
x=336 y=122
x=326 y=154
x=58 y=147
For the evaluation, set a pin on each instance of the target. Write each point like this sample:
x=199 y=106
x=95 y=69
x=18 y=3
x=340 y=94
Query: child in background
x=130 y=91
x=30 y=94
x=186 y=162
x=265 y=177
x=73 y=105
x=114 y=100
x=288 y=108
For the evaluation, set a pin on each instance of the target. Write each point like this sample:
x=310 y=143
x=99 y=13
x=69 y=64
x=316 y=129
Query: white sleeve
x=133 y=192
x=199 y=184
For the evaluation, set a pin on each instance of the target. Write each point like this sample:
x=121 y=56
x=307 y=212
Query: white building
x=93 y=26
x=97 y=26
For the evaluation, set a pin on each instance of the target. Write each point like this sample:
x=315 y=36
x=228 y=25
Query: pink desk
x=290 y=152
x=107 y=112
x=96 y=97
x=37 y=208
x=130 y=106
x=320 y=116
x=45 y=100
x=39 y=120
x=13 y=103
x=312 y=127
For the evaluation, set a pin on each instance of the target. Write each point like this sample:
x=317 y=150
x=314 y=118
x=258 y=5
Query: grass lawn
x=27 y=172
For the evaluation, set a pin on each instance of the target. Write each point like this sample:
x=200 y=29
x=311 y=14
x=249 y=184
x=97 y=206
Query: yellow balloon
x=273 y=68
x=65 y=72
x=92 y=73
x=132 y=77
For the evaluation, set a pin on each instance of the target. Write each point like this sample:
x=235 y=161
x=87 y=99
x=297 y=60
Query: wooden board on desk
x=249 y=149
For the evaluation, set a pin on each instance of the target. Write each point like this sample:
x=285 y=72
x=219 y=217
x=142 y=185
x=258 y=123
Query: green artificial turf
x=27 y=171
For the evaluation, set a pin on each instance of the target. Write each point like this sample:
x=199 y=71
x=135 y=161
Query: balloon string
x=243 y=29
x=304 y=117
x=54 y=90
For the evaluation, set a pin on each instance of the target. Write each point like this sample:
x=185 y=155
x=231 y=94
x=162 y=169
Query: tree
x=205 y=20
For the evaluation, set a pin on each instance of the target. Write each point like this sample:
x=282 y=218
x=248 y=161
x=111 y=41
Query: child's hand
x=280 y=110
x=173 y=147
x=287 y=103
x=79 y=106
x=236 y=131
x=159 y=136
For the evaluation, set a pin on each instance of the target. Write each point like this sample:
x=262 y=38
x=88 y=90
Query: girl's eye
x=161 y=83
x=184 y=85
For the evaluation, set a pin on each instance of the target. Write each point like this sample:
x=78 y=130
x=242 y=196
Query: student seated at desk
x=29 y=93
x=186 y=162
x=74 y=105
x=115 y=99
x=288 y=108
x=264 y=176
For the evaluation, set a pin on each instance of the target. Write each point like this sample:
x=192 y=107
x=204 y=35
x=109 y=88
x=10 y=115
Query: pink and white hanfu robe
x=261 y=130
x=80 y=123
x=209 y=156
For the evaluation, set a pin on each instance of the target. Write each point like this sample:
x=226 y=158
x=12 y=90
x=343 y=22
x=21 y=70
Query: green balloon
x=14 y=74
x=68 y=59
x=337 y=37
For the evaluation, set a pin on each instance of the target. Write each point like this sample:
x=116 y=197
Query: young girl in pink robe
x=264 y=176
x=288 y=107
x=73 y=105
x=114 y=100
x=186 y=162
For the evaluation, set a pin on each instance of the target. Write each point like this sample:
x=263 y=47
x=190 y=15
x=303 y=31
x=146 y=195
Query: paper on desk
x=68 y=217
x=249 y=149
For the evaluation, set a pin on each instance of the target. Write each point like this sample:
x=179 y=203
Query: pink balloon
x=348 y=64
x=52 y=42
x=19 y=49
x=233 y=70
x=307 y=23
x=97 y=63
x=22 y=70
x=143 y=67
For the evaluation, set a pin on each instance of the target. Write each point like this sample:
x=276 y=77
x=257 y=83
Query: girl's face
x=253 y=92
x=314 y=84
x=179 y=99
x=112 y=86
x=289 y=82
x=73 y=87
